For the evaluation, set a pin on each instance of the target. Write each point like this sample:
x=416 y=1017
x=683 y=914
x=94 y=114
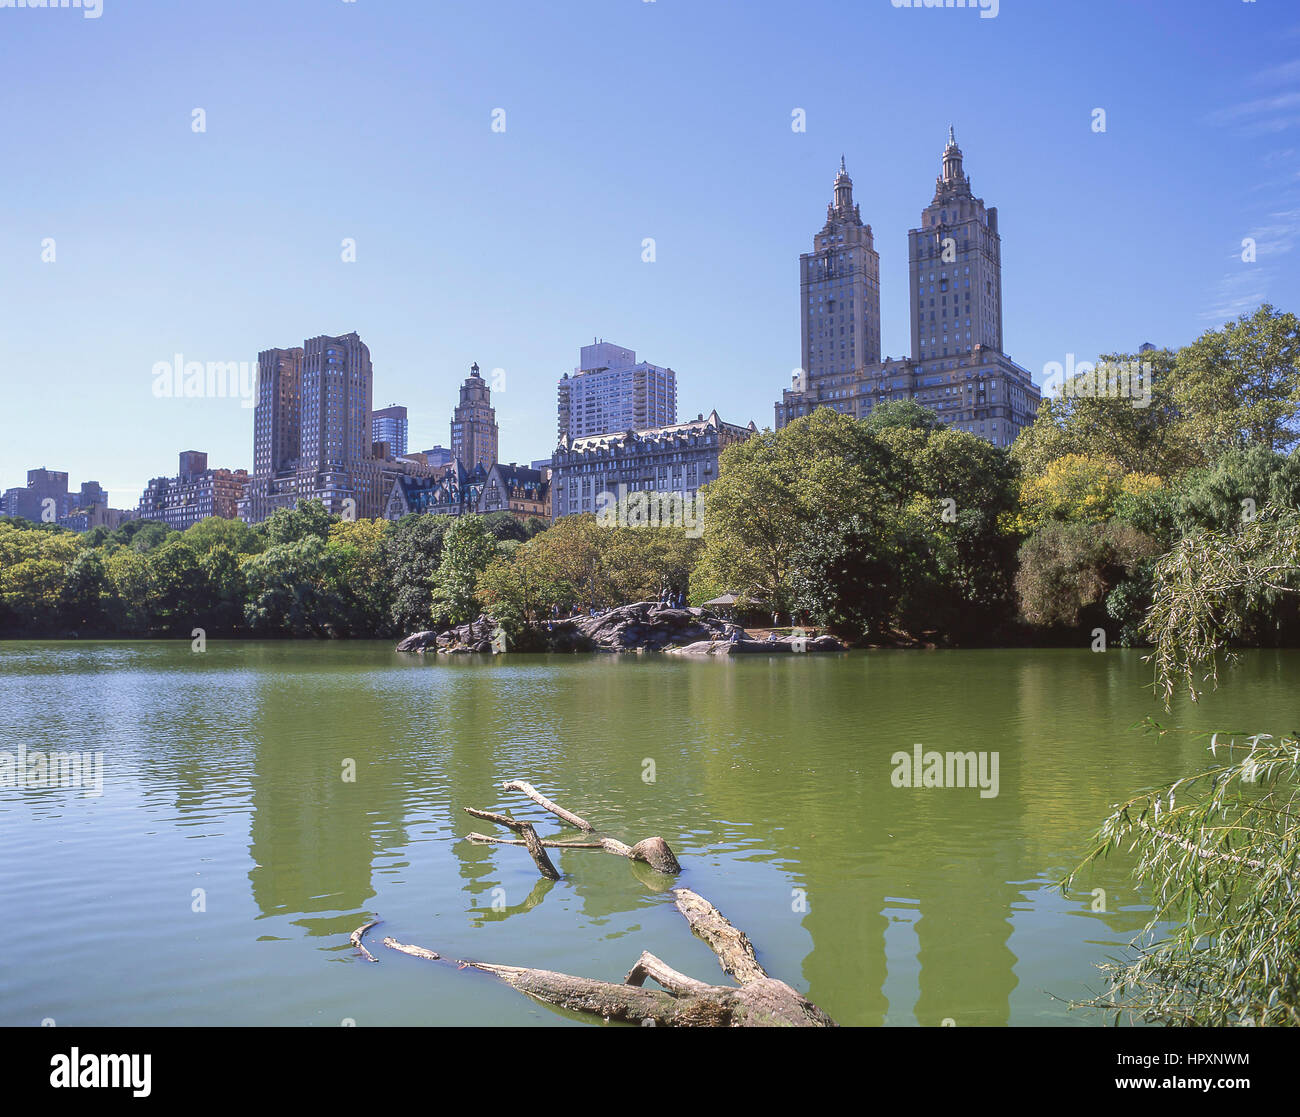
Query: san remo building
x=958 y=367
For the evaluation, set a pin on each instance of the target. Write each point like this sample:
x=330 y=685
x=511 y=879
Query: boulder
x=464 y=639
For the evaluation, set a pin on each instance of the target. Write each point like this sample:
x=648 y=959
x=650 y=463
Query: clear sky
x=624 y=120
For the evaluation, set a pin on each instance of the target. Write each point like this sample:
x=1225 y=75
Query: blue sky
x=624 y=120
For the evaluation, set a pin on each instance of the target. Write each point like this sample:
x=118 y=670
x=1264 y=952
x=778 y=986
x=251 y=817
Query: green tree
x=467 y=550
x=1216 y=850
x=1235 y=487
x=1240 y=386
x=1067 y=570
x=306 y=520
x=292 y=589
x=411 y=553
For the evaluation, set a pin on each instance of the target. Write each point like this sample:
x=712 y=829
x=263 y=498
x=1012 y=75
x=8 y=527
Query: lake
x=224 y=791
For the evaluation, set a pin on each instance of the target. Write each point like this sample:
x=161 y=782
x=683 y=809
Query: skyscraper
x=611 y=391
x=277 y=419
x=958 y=367
x=312 y=432
x=958 y=239
x=840 y=290
x=474 y=424
x=389 y=425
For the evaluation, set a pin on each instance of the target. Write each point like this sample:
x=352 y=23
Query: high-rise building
x=956 y=257
x=610 y=391
x=958 y=367
x=840 y=290
x=313 y=432
x=277 y=419
x=194 y=494
x=45 y=499
x=389 y=425
x=474 y=424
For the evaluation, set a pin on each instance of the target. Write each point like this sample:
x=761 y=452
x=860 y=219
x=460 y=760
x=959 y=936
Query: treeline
x=885 y=529
x=300 y=573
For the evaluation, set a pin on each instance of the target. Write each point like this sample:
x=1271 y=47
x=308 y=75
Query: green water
x=224 y=771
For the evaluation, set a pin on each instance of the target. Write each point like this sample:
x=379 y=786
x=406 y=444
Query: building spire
x=843 y=169
x=952 y=172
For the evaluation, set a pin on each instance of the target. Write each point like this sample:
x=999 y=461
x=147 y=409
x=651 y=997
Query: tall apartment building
x=389 y=425
x=955 y=256
x=45 y=498
x=194 y=494
x=958 y=367
x=277 y=417
x=611 y=391
x=313 y=432
x=474 y=424
x=678 y=458
x=839 y=302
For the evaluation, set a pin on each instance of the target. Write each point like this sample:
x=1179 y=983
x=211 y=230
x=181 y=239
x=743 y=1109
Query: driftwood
x=531 y=840
x=655 y=852
x=681 y=1001
x=418 y=951
x=548 y=844
x=359 y=934
x=541 y=800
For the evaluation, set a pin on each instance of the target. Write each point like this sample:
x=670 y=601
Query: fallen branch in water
x=541 y=800
x=681 y=1001
x=531 y=840
x=359 y=934
x=548 y=844
x=655 y=852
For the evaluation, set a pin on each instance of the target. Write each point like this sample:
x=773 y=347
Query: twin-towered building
x=958 y=367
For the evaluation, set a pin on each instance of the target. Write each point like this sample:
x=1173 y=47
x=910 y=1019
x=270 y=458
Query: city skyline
x=471 y=244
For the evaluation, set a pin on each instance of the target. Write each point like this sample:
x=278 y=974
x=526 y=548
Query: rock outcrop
x=464 y=639
x=643 y=626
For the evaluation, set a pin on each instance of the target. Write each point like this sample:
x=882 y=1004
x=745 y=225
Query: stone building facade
x=958 y=367
x=474 y=424
x=680 y=458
